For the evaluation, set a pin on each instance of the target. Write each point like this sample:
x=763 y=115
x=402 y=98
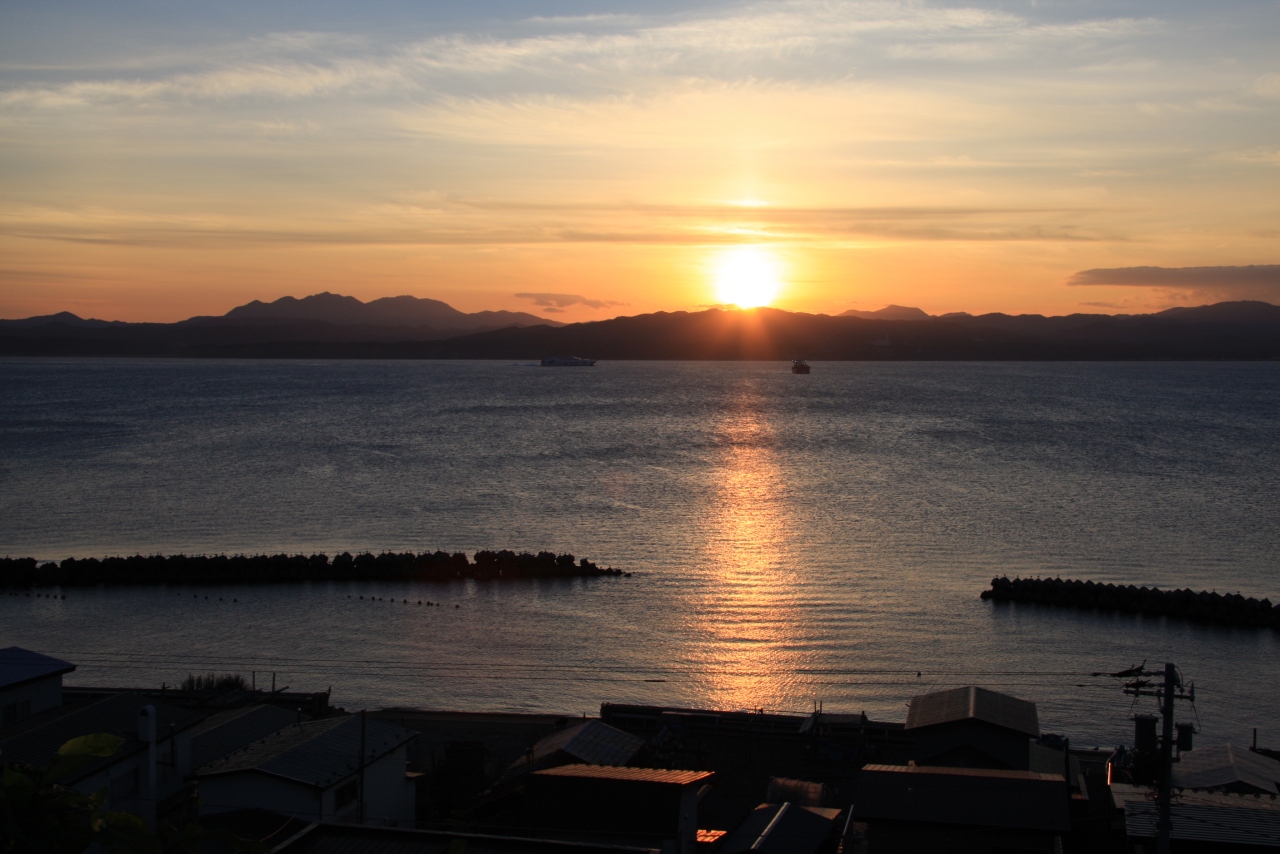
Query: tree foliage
x=39 y=815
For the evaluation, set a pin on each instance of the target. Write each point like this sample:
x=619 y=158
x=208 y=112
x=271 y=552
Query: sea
x=793 y=542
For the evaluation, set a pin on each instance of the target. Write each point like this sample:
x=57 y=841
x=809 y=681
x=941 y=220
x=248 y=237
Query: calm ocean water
x=792 y=539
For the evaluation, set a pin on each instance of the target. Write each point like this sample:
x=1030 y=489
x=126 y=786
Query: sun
x=747 y=276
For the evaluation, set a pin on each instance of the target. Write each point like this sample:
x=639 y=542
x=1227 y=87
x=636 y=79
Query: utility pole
x=1167 y=691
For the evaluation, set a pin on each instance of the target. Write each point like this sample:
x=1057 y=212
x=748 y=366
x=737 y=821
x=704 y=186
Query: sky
x=582 y=160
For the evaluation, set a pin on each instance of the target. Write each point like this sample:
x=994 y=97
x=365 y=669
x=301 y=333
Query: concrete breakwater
x=249 y=569
x=1230 y=609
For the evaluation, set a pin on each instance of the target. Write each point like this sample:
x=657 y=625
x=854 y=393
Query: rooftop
x=18 y=665
x=220 y=734
x=1122 y=794
x=118 y=715
x=593 y=742
x=782 y=829
x=1226 y=765
x=641 y=775
x=973 y=703
x=346 y=839
x=1220 y=819
x=967 y=796
x=314 y=753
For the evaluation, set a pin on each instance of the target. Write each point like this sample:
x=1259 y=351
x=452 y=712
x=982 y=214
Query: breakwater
x=1229 y=609
x=18 y=573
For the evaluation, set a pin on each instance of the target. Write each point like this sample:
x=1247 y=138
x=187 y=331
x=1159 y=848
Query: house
x=972 y=728
x=591 y=743
x=1202 y=822
x=150 y=767
x=331 y=838
x=911 y=808
x=630 y=806
x=1228 y=768
x=29 y=683
x=784 y=828
x=225 y=732
x=313 y=770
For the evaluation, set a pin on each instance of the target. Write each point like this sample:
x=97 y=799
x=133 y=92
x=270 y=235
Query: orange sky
x=954 y=158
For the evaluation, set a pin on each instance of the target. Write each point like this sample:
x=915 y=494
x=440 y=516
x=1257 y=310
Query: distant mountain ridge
x=331 y=326
x=1242 y=311
x=385 y=311
x=889 y=312
x=61 y=317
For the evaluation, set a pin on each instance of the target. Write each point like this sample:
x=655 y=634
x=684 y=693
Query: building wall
x=972 y=744
x=389 y=799
x=600 y=805
x=894 y=837
x=252 y=790
x=126 y=779
x=388 y=795
x=30 y=698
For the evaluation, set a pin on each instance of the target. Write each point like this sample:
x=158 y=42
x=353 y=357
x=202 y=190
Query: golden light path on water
x=749 y=615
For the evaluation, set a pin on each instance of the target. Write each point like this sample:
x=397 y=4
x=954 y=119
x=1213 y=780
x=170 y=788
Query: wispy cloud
x=921 y=132
x=798 y=40
x=556 y=303
x=1250 y=282
x=495 y=222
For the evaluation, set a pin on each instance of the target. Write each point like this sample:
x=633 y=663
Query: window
x=344 y=796
x=14 y=712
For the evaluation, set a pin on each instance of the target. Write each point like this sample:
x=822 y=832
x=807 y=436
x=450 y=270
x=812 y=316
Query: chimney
x=147 y=725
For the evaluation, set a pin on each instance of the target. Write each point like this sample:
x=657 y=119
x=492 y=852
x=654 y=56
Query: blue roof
x=315 y=753
x=221 y=734
x=18 y=665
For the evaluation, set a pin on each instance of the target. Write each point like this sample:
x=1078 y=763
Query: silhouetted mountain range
x=407 y=311
x=330 y=326
x=889 y=312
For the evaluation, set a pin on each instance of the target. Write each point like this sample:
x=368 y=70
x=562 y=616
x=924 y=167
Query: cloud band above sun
x=956 y=156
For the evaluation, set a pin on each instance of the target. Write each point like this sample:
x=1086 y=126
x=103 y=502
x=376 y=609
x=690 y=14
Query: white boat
x=567 y=362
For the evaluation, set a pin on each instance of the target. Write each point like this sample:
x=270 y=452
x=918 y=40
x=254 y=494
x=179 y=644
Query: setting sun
x=747 y=276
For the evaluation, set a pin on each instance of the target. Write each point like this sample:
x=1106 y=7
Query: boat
x=799 y=366
x=567 y=362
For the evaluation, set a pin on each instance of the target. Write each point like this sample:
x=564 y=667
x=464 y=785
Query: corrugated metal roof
x=1145 y=794
x=1193 y=820
x=315 y=753
x=1225 y=765
x=593 y=742
x=117 y=715
x=973 y=703
x=221 y=734
x=18 y=665
x=968 y=796
x=782 y=829
x=645 y=775
x=966 y=772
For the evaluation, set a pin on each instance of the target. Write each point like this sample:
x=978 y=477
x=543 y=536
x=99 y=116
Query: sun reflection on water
x=749 y=613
